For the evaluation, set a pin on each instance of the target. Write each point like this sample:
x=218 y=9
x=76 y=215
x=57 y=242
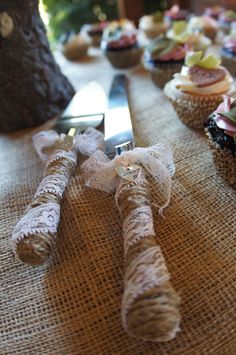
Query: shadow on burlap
x=72 y=305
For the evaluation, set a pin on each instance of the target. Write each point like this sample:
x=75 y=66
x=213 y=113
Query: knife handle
x=150 y=305
x=35 y=248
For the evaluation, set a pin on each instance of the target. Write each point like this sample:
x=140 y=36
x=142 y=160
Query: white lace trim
x=101 y=173
x=42 y=219
x=137 y=225
x=70 y=155
x=147 y=271
x=55 y=184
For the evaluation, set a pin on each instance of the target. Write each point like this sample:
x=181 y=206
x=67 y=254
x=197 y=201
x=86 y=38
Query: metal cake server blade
x=118 y=125
x=86 y=109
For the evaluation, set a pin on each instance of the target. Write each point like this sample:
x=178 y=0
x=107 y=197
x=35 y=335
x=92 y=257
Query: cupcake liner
x=224 y=161
x=95 y=40
x=193 y=109
x=210 y=33
x=162 y=73
x=76 y=52
x=229 y=63
x=124 y=58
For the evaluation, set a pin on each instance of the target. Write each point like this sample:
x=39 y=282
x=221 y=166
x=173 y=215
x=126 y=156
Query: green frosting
x=160 y=46
x=231 y=115
x=229 y=14
x=209 y=61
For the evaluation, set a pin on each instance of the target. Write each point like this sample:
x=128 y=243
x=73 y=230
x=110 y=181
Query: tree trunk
x=32 y=88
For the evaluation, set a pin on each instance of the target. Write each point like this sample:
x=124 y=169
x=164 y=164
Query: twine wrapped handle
x=34 y=235
x=150 y=305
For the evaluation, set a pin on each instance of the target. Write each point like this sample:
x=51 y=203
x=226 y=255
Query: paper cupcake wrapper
x=161 y=74
x=191 y=109
x=95 y=40
x=124 y=58
x=75 y=53
x=229 y=63
x=224 y=161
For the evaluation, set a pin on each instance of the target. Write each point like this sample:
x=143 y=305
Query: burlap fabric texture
x=72 y=305
x=193 y=109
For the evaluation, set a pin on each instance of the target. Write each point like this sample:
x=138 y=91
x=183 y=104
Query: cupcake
x=182 y=33
x=214 y=11
x=153 y=25
x=163 y=57
x=76 y=47
x=221 y=131
x=95 y=32
x=205 y=24
x=226 y=19
x=176 y=14
x=228 y=54
x=197 y=90
x=120 y=44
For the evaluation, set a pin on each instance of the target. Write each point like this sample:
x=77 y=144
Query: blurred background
x=61 y=16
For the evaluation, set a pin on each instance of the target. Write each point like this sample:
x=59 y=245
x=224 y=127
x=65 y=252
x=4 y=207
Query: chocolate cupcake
x=120 y=44
x=214 y=11
x=95 y=32
x=153 y=25
x=221 y=131
x=163 y=57
x=176 y=14
x=198 y=89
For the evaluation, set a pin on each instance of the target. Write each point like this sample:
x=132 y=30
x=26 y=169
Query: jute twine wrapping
x=35 y=249
x=224 y=160
x=154 y=315
x=72 y=305
x=124 y=58
x=193 y=109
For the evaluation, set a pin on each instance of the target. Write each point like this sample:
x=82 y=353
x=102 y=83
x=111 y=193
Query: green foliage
x=66 y=15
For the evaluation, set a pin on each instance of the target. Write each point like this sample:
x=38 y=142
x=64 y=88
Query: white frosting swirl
x=183 y=82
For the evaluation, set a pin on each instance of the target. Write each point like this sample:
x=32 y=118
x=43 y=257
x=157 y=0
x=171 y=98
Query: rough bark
x=32 y=88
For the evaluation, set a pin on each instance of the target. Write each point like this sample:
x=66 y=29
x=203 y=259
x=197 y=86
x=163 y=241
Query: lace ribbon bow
x=101 y=173
x=51 y=146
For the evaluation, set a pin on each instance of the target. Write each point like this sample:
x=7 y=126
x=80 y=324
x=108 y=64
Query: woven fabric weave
x=72 y=306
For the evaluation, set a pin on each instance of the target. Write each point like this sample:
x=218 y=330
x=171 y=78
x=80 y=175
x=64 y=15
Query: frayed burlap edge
x=125 y=58
x=192 y=109
x=224 y=160
x=230 y=64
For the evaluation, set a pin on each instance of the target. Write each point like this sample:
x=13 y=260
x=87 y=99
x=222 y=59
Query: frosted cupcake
x=153 y=25
x=221 y=131
x=226 y=19
x=95 y=32
x=198 y=89
x=184 y=34
x=163 y=57
x=120 y=44
x=76 y=47
x=228 y=53
x=214 y=11
x=176 y=14
x=205 y=24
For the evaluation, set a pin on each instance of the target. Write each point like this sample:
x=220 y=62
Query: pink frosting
x=231 y=45
x=125 y=40
x=177 y=53
x=223 y=122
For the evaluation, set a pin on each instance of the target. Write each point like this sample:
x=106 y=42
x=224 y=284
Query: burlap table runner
x=72 y=306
